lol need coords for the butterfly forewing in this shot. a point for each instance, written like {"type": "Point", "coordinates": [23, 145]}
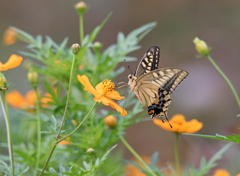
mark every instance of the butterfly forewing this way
{"type": "Point", "coordinates": [166, 78]}
{"type": "Point", "coordinates": [149, 61]}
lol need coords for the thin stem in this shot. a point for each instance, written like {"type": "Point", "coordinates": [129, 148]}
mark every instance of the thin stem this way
{"type": "Point", "coordinates": [225, 78]}
{"type": "Point", "coordinates": [38, 131]}
{"type": "Point", "coordinates": [56, 142]}
{"type": "Point", "coordinates": [69, 90]}
{"type": "Point", "coordinates": [176, 153]}
{"type": "Point", "coordinates": [50, 155]}
{"type": "Point", "coordinates": [64, 115]}
{"type": "Point", "coordinates": [8, 127]}
{"type": "Point", "coordinates": [136, 155]}
{"type": "Point", "coordinates": [79, 124]}
{"type": "Point", "coordinates": [81, 28]}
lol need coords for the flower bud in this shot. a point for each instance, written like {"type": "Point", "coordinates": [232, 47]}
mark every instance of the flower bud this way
{"type": "Point", "coordinates": [33, 78]}
{"type": "Point", "coordinates": [111, 121]}
{"type": "Point", "coordinates": [75, 48]}
{"type": "Point", "coordinates": [3, 83]}
{"type": "Point", "coordinates": [97, 46]}
{"type": "Point", "coordinates": [81, 7]}
{"type": "Point", "coordinates": [90, 150]}
{"type": "Point", "coordinates": [201, 46]}
{"type": "Point", "coordinates": [9, 36]}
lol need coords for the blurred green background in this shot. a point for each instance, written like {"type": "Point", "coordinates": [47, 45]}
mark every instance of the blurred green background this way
{"type": "Point", "coordinates": [204, 95]}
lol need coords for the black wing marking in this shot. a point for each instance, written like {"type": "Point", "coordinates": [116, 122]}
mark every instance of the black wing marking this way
{"type": "Point", "coordinates": [149, 62]}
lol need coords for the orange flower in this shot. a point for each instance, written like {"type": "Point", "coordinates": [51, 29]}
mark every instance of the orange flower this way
{"type": "Point", "coordinates": [179, 124]}
{"type": "Point", "coordinates": [81, 66]}
{"type": "Point", "coordinates": [103, 92]}
{"type": "Point", "coordinates": [47, 98]}
{"type": "Point", "coordinates": [12, 62]}
{"type": "Point", "coordinates": [9, 36]}
{"type": "Point", "coordinates": [65, 141]}
{"type": "Point", "coordinates": [74, 122]}
{"type": "Point", "coordinates": [18, 101]}
{"type": "Point", "coordinates": [221, 172]}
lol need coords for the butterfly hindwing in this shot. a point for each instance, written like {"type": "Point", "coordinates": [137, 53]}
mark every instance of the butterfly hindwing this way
{"type": "Point", "coordinates": [149, 61]}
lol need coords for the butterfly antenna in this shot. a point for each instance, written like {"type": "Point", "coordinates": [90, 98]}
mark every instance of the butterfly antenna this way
{"type": "Point", "coordinates": [167, 120]}
{"type": "Point", "coordinates": [130, 69]}
{"type": "Point", "coordinates": [123, 99]}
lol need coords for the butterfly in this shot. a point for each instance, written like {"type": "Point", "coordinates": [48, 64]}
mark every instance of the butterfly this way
{"type": "Point", "coordinates": [153, 86]}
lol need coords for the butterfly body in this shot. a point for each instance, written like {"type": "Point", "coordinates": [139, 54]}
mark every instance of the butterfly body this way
{"type": "Point", "coordinates": [154, 86]}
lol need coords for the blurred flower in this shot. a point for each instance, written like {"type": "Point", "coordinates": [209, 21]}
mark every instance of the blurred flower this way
{"type": "Point", "coordinates": [47, 98]}
{"type": "Point", "coordinates": [12, 62]}
{"type": "Point", "coordinates": [110, 121]}
{"type": "Point", "coordinates": [131, 170]}
{"type": "Point", "coordinates": [58, 61]}
{"type": "Point", "coordinates": [18, 101]}
{"type": "Point", "coordinates": [9, 36]}
{"type": "Point", "coordinates": [179, 124]}
{"type": "Point", "coordinates": [81, 66]}
{"type": "Point", "coordinates": [201, 46]}
{"type": "Point", "coordinates": [65, 141]}
{"type": "Point", "coordinates": [221, 172]}
{"type": "Point", "coordinates": [75, 48]}
{"type": "Point", "coordinates": [74, 122]}
{"type": "Point", "coordinates": [103, 92]}
{"type": "Point", "coordinates": [90, 150]}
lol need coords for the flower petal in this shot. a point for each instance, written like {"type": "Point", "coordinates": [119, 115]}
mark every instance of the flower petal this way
{"type": "Point", "coordinates": [165, 126]}
{"type": "Point", "coordinates": [192, 126]}
{"type": "Point", "coordinates": [15, 99]}
{"type": "Point", "coordinates": [31, 98]}
{"type": "Point", "coordinates": [88, 87]}
{"type": "Point", "coordinates": [114, 105]}
{"type": "Point", "coordinates": [221, 172]}
{"type": "Point", "coordinates": [114, 95]}
{"type": "Point", "coordinates": [12, 62]}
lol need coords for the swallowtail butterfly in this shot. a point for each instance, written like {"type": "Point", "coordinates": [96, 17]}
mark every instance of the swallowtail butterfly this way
{"type": "Point", "coordinates": [153, 86]}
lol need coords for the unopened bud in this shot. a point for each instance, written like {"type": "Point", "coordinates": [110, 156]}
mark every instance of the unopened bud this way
{"type": "Point", "coordinates": [3, 83]}
{"type": "Point", "coordinates": [74, 122]}
{"type": "Point", "coordinates": [90, 150]}
{"type": "Point", "coordinates": [97, 46]}
{"type": "Point", "coordinates": [201, 46]}
{"type": "Point", "coordinates": [81, 7]}
{"type": "Point", "coordinates": [111, 121]}
{"type": "Point", "coordinates": [75, 48]}
{"type": "Point", "coordinates": [33, 78]}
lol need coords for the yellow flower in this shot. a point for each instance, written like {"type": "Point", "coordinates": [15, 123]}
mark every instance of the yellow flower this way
{"type": "Point", "coordinates": [74, 122]}
{"type": "Point", "coordinates": [179, 124]}
{"type": "Point", "coordinates": [110, 121]}
{"type": "Point", "coordinates": [9, 36]}
{"type": "Point", "coordinates": [12, 62]}
{"type": "Point", "coordinates": [18, 101]}
{"type": "Point", "coordinates": [103, 92]}
{"type": "Point", "coordinates": [221, 172]}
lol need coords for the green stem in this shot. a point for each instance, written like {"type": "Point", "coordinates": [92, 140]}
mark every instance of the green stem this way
{"type": "Point", "coordinates": [81, 28]}
{"type": "Point", "coordinates": [176, 153]}
{"type": "Point", "coordinates": [50, 155]}
{"type": "Point", "coordinates": [136, 155]}
{"type": "Point", "coordinates": [79, 124]}
{"type": "Point", "coordinates": [69, 90]}
{"type": "Point", "coordinates": [38, 131]}
{"type": "Point", "coordinates": [64, 115]}
{"type": "Point", "coordinates": [225, 78]}
{"type": "Point", "coordinates": [8, 127]}
{"type": "Point", "coordinates": [56, 142]}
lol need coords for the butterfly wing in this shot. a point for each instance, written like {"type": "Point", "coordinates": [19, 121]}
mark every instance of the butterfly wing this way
{"type": "Point", "coordinates": [149, 61]}
{"type": "Point", "coordinates": [154, 89]}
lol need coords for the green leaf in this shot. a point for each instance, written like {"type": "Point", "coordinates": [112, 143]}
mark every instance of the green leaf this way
{"type": "Point", "coordinates": [105, 155]}
{"type": "Point", "coordinates": [238, 115]}
{"type": "Point", "coordinates": [98, 28]}
{"type": "Point", "coordinates": [234, 138]}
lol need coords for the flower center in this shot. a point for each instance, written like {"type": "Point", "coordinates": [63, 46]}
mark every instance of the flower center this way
{"type": "Point", "coordinates": [107, 86]}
